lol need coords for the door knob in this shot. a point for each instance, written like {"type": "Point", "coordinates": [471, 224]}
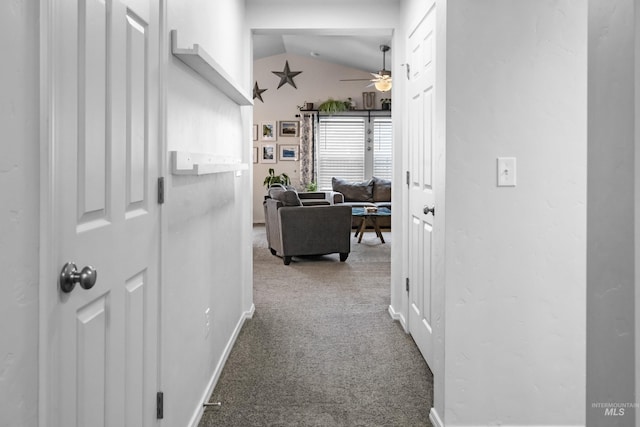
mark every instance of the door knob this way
{"type": "Point", "coordinates": [69, 277]}
{"type": "Point", "coordinates": [428, 209]}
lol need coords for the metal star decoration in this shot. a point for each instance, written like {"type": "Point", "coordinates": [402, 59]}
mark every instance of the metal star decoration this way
{"type": "Point", "coordinates": [286, 76]}
{"type": "Point", "coordinates": [257, 92]}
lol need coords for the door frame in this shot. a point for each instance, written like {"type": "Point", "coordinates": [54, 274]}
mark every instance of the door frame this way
{"type": "Point", "coordinates": [47, 290]}
{"type": "Point", "coordinates": [47, 268]}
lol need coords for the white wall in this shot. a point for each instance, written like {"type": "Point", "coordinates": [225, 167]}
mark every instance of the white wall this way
{"type": "Point", "coordinates": [207, 254]}
{"type": "Point", "coordinates": [516, 85]}
{"type": "Point", "coordinates": [319, 81]}
{"type": "Point", "coordinates": [333, 16]}
{"type": "Point", "coordinates": [610, 254]}
{"type": "Point", "coordinates": [19, 213]}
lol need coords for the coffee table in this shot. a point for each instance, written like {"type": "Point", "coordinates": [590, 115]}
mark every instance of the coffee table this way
{"type": "Point", "coordinates": [372, 218]}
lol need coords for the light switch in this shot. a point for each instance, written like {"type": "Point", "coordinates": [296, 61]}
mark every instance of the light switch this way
{"type": "Point", "coordinates": [506, 171]}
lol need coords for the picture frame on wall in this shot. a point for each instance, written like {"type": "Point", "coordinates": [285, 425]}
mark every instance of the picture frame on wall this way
{"type": "Point", "coordinates": [255, 153]}
{"type": "Point", "coordinates": [268, 131]}
{"type": "Point", "coordinates": [289, 128]}
{"type": "Point", "coordinates": [267, 153]}
{"type": "Point", "coordinates": [288, 152]}
{"type": "Point", "coordinates": [255, 132]}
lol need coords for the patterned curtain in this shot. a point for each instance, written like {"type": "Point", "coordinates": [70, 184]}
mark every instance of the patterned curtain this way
{"type": "Point", "coordinates": [307, 149]}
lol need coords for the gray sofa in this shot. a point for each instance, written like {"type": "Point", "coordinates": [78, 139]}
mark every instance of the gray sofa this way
{"type": "Point", "coordinates": [374, 192]}
{"type": "Point", "coordinates": [297, 230]}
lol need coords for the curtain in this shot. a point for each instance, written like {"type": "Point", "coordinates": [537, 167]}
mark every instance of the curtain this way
{"type": "Point", "coordinates": [307, 149]}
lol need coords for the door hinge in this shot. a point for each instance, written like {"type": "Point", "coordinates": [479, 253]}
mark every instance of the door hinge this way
{"type": "Point", "coordinates": [408, 179]}
{"type": "Point", "coordinates": [407, 284]}
{"type": "Point", "coordinates": [160, 405]}
{"type": "Point", "coordinates": [161, 190]}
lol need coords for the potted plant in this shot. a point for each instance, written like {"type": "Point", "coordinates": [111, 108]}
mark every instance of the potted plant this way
{"type": "Point", "coordinates": [386, 103]}
{"type": "Point", "coordinates": [332, 106]}
{"type": "Point", "coordinates": [272, 179]}
{"type": "Point", "coordinates": [311, 187]}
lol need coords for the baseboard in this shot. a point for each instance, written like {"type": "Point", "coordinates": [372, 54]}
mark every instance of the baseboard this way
{"type": "Point", "coordinates": [399, 317]}
{"type": "Point", "coordinates": [197, 415]}
{"type": "Point", "coordinates": [435, 418]}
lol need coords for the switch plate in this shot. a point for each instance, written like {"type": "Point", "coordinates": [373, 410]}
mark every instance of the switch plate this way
{"type": "Point", "coordinates": [506, 171]}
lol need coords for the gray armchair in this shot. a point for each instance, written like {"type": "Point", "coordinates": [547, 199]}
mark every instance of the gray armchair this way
{"type": "Point", "coordinates": [307, 230]}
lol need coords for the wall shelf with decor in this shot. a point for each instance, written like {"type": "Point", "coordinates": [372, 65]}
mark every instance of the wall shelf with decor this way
{"type": "Point", "coordinates": [186, 163]}
{"type": "Point", "coordinates": [202, 63]}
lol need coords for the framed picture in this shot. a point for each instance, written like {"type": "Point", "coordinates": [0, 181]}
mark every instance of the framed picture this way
{"type": "Point", "coordinates": [255, 132]}
{"type": "Point", "coordinates": [268, 131]}
{"type": "Point", "coordinates": [289, 128]}
{"type": "Point", "coordinates": [255, 154]}
{"type": "Point", "coordinates": [288, 152]}
{"type": "Point", "coordinates": [267, 153]}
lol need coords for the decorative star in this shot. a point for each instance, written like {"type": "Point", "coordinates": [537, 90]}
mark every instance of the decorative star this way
{"type": "Point", "coordinates": [257, 92]}
{"type": "Point", "coordinates": [286, 76]}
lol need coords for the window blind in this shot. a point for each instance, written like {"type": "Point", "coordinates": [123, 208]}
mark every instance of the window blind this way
{"type": "Point", "coordinates": [382, 148]}
{"type": "Point", "coordinates": [341, 150]}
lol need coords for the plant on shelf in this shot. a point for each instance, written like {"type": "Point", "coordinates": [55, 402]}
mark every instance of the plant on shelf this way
{"type": "Point", "coordinates": [311, 187]}
{"type": "Point", "coordinates": [272, 179]}
{"type": "Point", "coordinates": [386, 103]}
{"type": "Point", "coordinates": [332, 106]}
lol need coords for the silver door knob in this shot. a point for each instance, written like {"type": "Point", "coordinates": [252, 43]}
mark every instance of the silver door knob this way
{"type": "Point", "coordinates": [428, 209]}
{"type": "Point", "coordinates": [69, 277]}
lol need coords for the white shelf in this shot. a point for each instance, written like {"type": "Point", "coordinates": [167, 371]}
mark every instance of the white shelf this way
{"type": "Point", "coordinates": [185, 163]}
{"type": "Point", "coordinates": [200, 61]}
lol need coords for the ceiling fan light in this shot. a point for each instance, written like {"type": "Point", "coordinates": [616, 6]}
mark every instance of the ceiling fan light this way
{"type": "Point", "coordinates": [383, 85]}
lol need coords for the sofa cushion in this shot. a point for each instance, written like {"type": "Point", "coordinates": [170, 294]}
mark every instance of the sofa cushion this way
{"type": "Point", "coordinates": [287, 197]}
{"type": "Point", "coordinates": [381, 190]}
{"type": "Point", "coordinates": [353, 191]}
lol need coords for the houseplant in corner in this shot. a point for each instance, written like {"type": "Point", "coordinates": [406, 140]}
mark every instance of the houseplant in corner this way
{"type": "Point", "coordinates": [272, 179]}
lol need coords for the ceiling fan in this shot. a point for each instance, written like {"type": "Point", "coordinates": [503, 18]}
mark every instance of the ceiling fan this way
{"type": "Point", "coordinates": [382, 79]}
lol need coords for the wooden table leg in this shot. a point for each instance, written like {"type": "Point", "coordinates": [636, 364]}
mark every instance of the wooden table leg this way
{"type": "Point", "coordinates": [363, 225]}
{"type": "Point", "coordinates": [358, 227]}
{"type": "Point", "coordinates": [377, 228]}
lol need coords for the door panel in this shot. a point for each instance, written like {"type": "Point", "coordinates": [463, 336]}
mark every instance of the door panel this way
{"type": "Point", "coordinates": [107, 161]}
{"type": "Point", "coordinates": [136, 108]}
{"type": "Point", "coordinates": [92, 82]}
{"type": "Point", "coordinates": [91, 321]}
{"type": "Point", "coordinates": [421, 95]}
{"type": "Point", "coordinates": [134, 349]}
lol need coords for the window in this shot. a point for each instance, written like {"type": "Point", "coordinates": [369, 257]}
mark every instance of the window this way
{"type": "Point", "coordinates": [382, 147]}
{"type": "Point", "coordinates": [340, 150]}
{"type": "Point", "coordinates": [354, 149]}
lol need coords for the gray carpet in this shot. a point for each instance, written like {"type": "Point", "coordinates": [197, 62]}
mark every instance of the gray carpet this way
{"type": "Point", "coordinates": [321, 349]}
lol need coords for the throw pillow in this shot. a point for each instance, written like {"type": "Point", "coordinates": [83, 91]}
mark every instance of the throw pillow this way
{"type": "Point", "coordinates": [287, 197]}
{"type": "Point", "coordinates": [381, 190]}
{"type": "Point", "coordinates": [353, 191]}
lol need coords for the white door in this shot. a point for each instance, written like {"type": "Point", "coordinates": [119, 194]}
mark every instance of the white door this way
{"type": "Point", "coordinates": [104, 340]}
{"type": "Point", "coordinates": [421, 103]}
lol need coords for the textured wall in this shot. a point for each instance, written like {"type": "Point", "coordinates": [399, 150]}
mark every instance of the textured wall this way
{"type": "Point", "coordinates": [19, 214]}
{"type": "Point", "coordinates": [610, 274]}
{"type": "Point", "coordinates": [515, 257]}
{"type": "Point", "coordinates": [208, 240]}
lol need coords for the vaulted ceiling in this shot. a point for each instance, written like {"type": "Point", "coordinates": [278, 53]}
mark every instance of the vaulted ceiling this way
{"type": "Point", "coordinates": [359, 51]}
